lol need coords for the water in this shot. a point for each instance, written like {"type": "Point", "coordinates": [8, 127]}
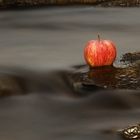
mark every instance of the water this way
{"type": "Point", "coordinates": [35, 44]}
{"type": "Point", "coordinates": [55, 38]}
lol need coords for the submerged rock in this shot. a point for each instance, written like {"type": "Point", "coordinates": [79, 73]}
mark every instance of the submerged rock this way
{"type": "Point", "coordinates": [10, 85]}
{"type": "Point", "coordinates": [131, 133]}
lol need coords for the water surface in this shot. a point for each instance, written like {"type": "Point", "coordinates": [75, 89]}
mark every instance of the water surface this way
{"type": "Point", "coordinates": [36, 43]}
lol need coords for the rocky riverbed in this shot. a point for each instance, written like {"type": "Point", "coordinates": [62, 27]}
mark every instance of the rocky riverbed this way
{"type": "Point", "coordinates": [40, 3]}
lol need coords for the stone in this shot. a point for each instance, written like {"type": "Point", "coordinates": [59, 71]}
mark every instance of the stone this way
{"type": "Point", "coordinates": [10, 85]}
{"type": "Point", "coordinates": [106, 3]}
{"type": "Point", "coordinates": [131, 132]}
{"type": "Point", "coordinates": [84, 80]}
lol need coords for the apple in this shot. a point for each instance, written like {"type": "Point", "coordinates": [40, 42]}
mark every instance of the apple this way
{"type": "Point", "coordinates": [100, 52]}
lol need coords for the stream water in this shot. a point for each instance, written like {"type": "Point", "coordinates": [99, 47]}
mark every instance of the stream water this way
{"type": "Point", "coordinates": [37, 46]}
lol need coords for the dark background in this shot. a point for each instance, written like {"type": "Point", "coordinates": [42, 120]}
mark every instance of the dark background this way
{"type": "Point", "coordinates": [39, 3]}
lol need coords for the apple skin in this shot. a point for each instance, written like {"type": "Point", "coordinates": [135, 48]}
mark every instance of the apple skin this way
{"type": "Point", "coordinates": [100, 53]}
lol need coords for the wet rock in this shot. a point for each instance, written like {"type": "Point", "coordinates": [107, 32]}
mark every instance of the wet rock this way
{"type": "Point", "coordinates": [131, 57]}
{"type": "Point", "coordinates": [107, 3]}
{"type": "Point", "coordinates": [84, 80]}
{"type": "Point", "coordinates": [120, 3]}
{"type": "Point", "coordinates": [10, 85]}
{"type": "Point", "coordinates": [131, 133]}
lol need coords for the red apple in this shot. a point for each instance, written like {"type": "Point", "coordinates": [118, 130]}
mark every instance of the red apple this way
{"type": "Point", "coordinates": [100, 52]}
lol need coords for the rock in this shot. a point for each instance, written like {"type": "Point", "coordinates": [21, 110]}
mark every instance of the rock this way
{"type": "Point", "coordinates": [84, 80]}
{"type": "Point", "coordinates": [107, 3]}
{"type": "Point", "coordinates": [131, 133]}
{"type": "Point", "coordinates": [10, 85]}
{"type": "Point", "coordinates": [131, 57]}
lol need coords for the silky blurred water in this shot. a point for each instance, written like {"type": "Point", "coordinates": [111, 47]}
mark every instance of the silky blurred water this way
{"type": "Point", "coordinates": [40, 41]}
{"type": "Point", "coordinates": [55, 37]}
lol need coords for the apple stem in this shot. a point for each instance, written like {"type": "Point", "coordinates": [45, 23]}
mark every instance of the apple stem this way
{"type": "Point", "coordinates": [99, 38]}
